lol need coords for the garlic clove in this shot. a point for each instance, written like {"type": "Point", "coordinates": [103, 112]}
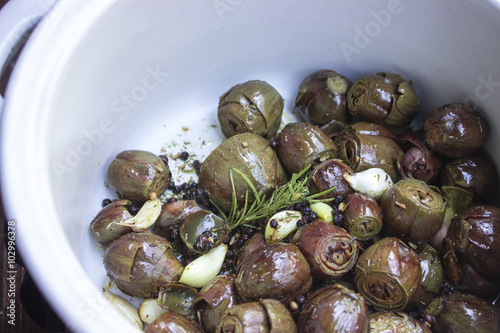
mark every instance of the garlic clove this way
{"type": "Point", "coordinates": [323, 210]}
{"type": "Point", "coordinates": [125, 308]}
{"type": "Point", "coordinates": [281, 224]}
{"type": "Point", "coordinates": [150, 310]}
{"type": "Point", "coordinates": [373, 182]}
{"type": "Point", "coordinates": [146, 217]}
{"type": "Point", "coordinates": [204, 268]}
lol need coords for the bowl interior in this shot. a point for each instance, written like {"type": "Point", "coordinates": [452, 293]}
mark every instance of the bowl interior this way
{"type": "Point", "coordinates": [128, 74]}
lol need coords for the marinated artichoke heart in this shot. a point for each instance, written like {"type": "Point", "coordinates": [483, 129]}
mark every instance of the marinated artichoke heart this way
{"type": "Point", "coordinates": [139, 175]}
{"type": "Point", "coordinates": [179, 298]}
{"type": "Point", "coordinates": [106, 225]}
{"type": "Point", "coordinates": [474, 236]}
{"type": "Point", "coordinates": [334, 309]}
{"type": "Point", "coordinates": [362, 151]}
{"type": "Point", "coordinates": [322, 98]}
{"type": "Point", "coordinates": [214, 299]}
{"type": "Point", "coordinates": [366, 128]}
{"type": "Point", "coordinates": [385, 99]}
{"type": "Point", "coordinates": [171, 322]}
{"type": "Point", "coordinates": [140, 263]}
{"type": "Point", "coordinates": [455, 130]}
{"type": "Point", "coordinates": [396, 321]}
{"type": "Point", "coordinates": [253, 106]}
{"type": "Point", "coordinates": [202, 230]}
{"type": "Point", "coordinates": [173, 215]}
{"type": "Point", "coordinates": [412, 211]}
{"type": "Point", "coordinates": [301, 144]}
{"type": "Point", "coordinates": [250, 154]}
{"type": "Point", "coordinates": [387, 274]}
{"type": "Point", "coordinates": [432, 276]}
{"type": "Point", "coordinates": [462, 313]}
{"type": "Point", "coordinates": [330, 250]}
{"type": "Point", "coordinates": [362, 216]}
{"type": "Point", "coordinates": [266, 315]}
{"type": "Point", "coordinates": [473, 173]}
{"type": "Point", "coordinates": [328, 175]}
{"type": "Point", "coordinates": [277, 271]}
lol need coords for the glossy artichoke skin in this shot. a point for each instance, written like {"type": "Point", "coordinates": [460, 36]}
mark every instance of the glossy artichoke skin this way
{"type": "Point", "coordinates": [137, 174]}
{"type": "Point", "coordinates": [105, 226]}
{"type": "Point", "coordinates": [266, 315]}
{"type": "Point", "coordinates": [301, 144]}
{"type": "Point", "coordinates": [330, 250]}
{"type": "Point", "coordinates": [322, 98]}
{"type": "Point", "coordinates": [388, 274]}
{"type": "Point", "coordinates": [140, 263]}
{"type": "Point", "coordinates": [171, 322]}
{"type": "Point", "coordinates": [412, 211]}
{"type": "Point", "coordinates": [172, 216]}
{"type": "Point", "coordinates": [249, 153]}
{"type": "Point", "coordinates": [362, 151]}
{"type": "Point", "coordinates": [455, 130]}
{"type": "Point", "coordinates": [383, 98]}
{"type": "Point", "coordinates": [473, 173]}
{"type": "Point", "coordinates": [362, 216]}
{"type": "Point", "coordinates": [462, 313]}
{"type": "Point", "coordinates": [431, 278]}
{"type": "Point", "coordinates": [279, 271]}
{"type": "Point", "coordinates": [330, 174]}
{"type": "Point", "coordinates": [254, 106]}
{"type": "Point", "coordinates": [396, 321]}
{"type": "Point", "coordinates": [334, 309]}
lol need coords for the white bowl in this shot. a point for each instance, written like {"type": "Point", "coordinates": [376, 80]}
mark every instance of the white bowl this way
{"type": "Point", "coordinates": [101, 76]}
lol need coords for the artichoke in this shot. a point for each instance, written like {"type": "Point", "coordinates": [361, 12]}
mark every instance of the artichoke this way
{"type": "Point", "coordinates": [362, 216]}
{"type": "Point", "coordinates": [385, 99]}
{"type": "Point", "coordinates": [455, 130]}
{"type": "Point", "coordinates": [472, 173]}
{"type": "Point", "coordinates": [334, 309]}
{"type": "Point", "coordinates": [266, 315]}
{"type": "Point", "coordinates": [396, 321]}
{"type": "Point", "coordinates": [250, 154]}
{"type": "Point", "coordinates": [214, 299]}
{"type": "Point", "coordinates": [388, 274]}
{"type": "Point", "coordinates": [251, 245]}
{"type": "Point", "coordinates": [365, 128]}
{"type": "Point", "coordinates": [171, 322]}
{"type": "Point", "coordinates": [412, 211]}
{"type": "Point", "coordinates": [329, 175]}
{"type": "Point", "coordinates": [172, 217]}
{"type": "Point", "coordinates": [330, 250]}
{"type": "Point", "coordinates": [140, 263]}
{"type": "Point", "coordinates": [277, 270]}
{"type": "Point", "coordinates": [462, 313]}
{"type": "Point", "coordinates": [432, 276]}
{"type": "Point", "coordinates": [363, 151]}
{"type": "Point", "coordinates": [254, 106]}
{"type": "Point", "coordinates": [139, 175]}
{"type": "Point", "coordinates": [179, 298]}
{"type": "Point", "coordinates": [202, 230]}
{"type": "Point", "coordinates": [322, 98]}
{"type": "Point", "coordinates": [105, 225]}
{"type": "Point", "coordinates": [302, 144]}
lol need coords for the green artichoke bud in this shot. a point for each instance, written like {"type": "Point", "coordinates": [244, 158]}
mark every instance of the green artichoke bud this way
{"type": "Point", "coordinates": [385, 99]}
{"type": "Point", "coordinates": [139, 175]}
{"type": "Point", "coordinates": [106, 226]}
{"type": "Point", "coordinates": [253, 106]}
{"type": "Point", "coordinates": [455, 130]}
{"type": "Point", "coordinates": [173, 215]}
{"type": "Point", "coordinates": [278, 270]}
{"type": "Point", "coordinates": [171, 322]}
{"type": "Point", "coordinates": [462, 313]}
{"type": "Point", "coordinates": [432, 276]}
{"type": "Point", "coordinates": [322, 98]}
{"type": "Point", "coordinates": [330, 174]}
{"type": "Point", "coordinates": [396, 321]}
{"type": "Point", "coordinates": [214, 299]}
{"type": "Point", "coordinates": [362, 152]}
{"type": "Point", "coordinates": [362, 216]}
{"type": "Point", "coordinates": [301, 144]}
{"type": "Point", "coordinates": [334, 309]}
{"type": "Point", "coordinates": [388, 274]}
{"type": "Point", "coordinates": [203, 230]}
{"type": "Point", "coordinates": [266, 315]}
{"type": "Point", "coordinates": [250, 154]}
{"type": "Point", "coordinates": [412, 211]}
{"type": "Point", "coordinates": [330, 250]}
{"type": "Point", "coordinates": [472, 173]}
{"type": "Point", "coordinates": [140, 263]}
{"type": "Point", "coordinates": [474, 236]}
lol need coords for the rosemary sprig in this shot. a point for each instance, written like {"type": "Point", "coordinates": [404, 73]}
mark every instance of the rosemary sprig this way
{"type": "Point", "coordinates": [294, 191]}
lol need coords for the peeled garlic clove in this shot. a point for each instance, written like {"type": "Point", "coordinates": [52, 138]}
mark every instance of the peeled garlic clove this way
{"type": "Point", "coordinates": [323, 210]}
{"type": "Point", "coordinates": [373, 182]}
{"type": "Point", "coordinates": [125, 308]}
{"type": "Point", "coordinates": [281, 225]}
{"type": "Point", "coordinates": [150, 310]}
{"type": "Point", "coordinates": [146, 217]}
{"type": "Point", "coordinates": [204, 268]}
